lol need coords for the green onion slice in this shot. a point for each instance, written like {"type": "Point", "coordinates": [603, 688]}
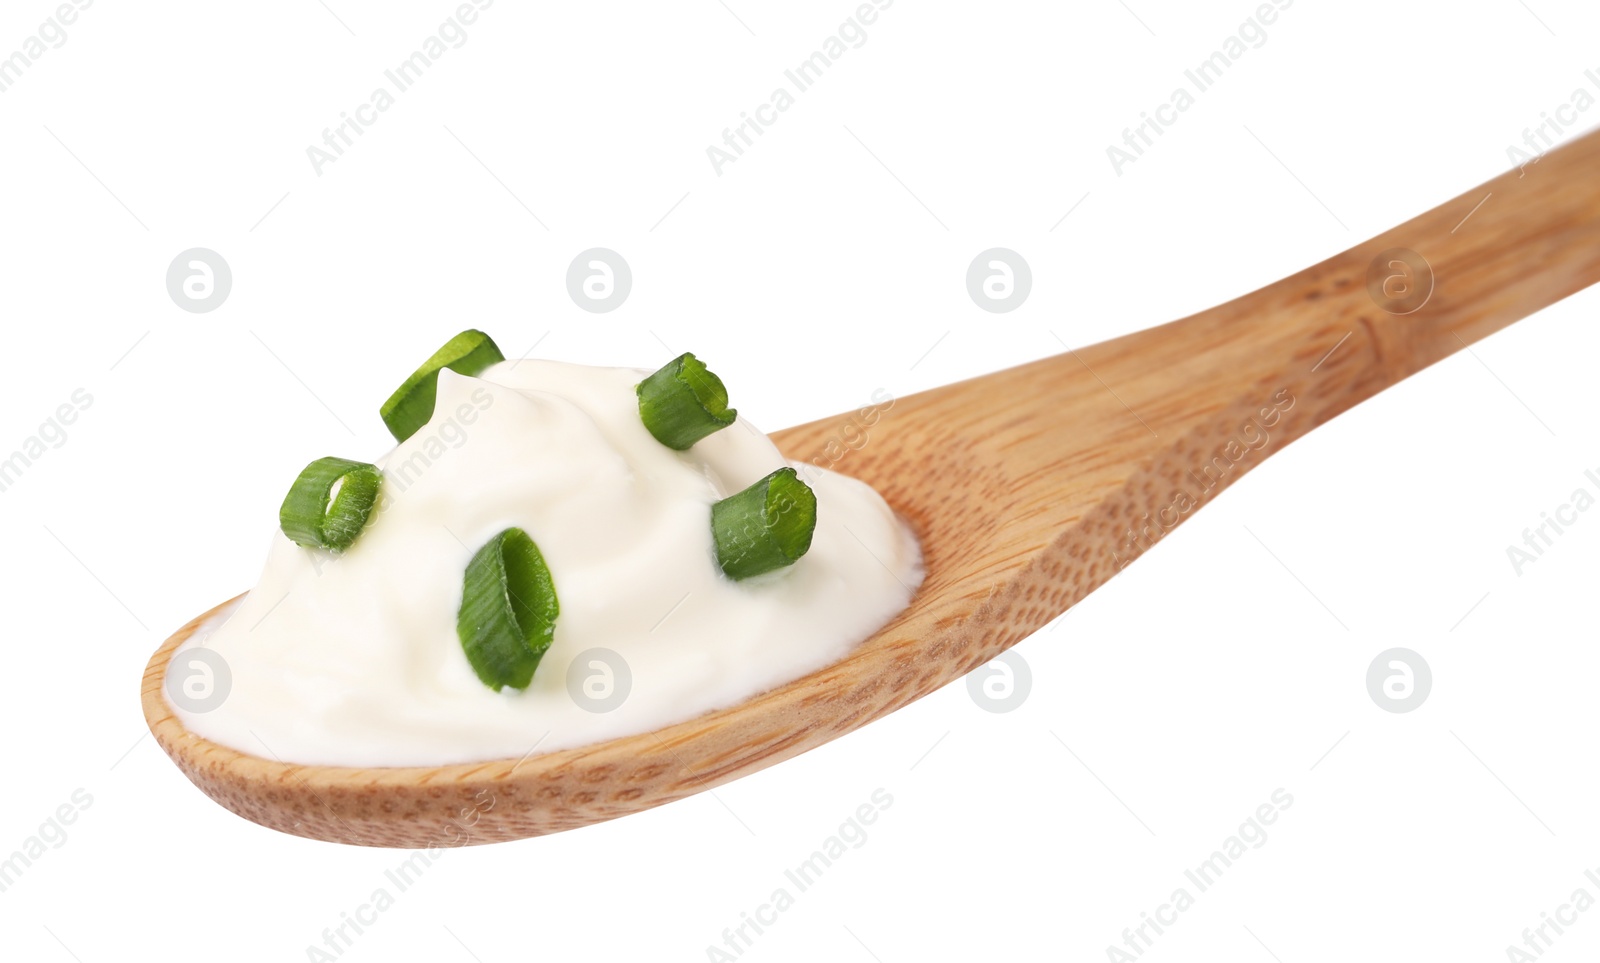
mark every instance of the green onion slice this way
{"type": "Point", "coordinates": [683, 402]}
{"type": "Point", "coordinates": [764, 527]}
{"type": "Point", "coordinates": [328, 505]}
{"type": "Point", "coordinates": [508, 610]}
{"type": "Point", "coordinates": [411, 405]}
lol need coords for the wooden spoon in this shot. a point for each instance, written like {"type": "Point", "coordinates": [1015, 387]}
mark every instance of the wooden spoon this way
{"type": "Point", "coordinates": [1029, 488]}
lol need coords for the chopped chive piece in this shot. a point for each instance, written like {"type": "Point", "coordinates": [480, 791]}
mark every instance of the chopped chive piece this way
{"type": "Point", "coordinates": [764, 527]}
{"type": "Point", "coordinates": [508, 610]}
{"type": "Point", "coordinates": [328, 505]}
{"type": "Point", "coordinates": [683, 402]}
{"type": "Point", "coordinates": [411, 405]}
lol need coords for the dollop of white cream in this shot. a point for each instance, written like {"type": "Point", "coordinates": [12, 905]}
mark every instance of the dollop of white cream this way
{"type": "Point", "coordinates": [353, 660]}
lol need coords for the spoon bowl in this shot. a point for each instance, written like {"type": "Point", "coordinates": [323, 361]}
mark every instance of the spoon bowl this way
{"type": "Point", "coordinates": [1029, 488]}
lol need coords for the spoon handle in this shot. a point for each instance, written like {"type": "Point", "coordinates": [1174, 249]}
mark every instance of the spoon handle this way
{"type": "Point", "coordinates": [1102, 451]}
{"type": "Point", "coordinates": [1337, 333]}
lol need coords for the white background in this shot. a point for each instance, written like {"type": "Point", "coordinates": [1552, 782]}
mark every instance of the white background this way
{"type": "Point", "coordinates": [823, 265]}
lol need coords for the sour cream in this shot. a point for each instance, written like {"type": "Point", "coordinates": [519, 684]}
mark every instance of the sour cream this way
{"type": "Point", "coordinates": [353, 660]}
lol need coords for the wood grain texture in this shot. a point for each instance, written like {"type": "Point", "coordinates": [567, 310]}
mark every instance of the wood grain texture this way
{"type": "Point", "coordinates": [1029, 488]}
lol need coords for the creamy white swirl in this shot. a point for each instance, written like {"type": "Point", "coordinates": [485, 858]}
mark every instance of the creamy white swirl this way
{"type": "Point", "coordinates": [354, 660]}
